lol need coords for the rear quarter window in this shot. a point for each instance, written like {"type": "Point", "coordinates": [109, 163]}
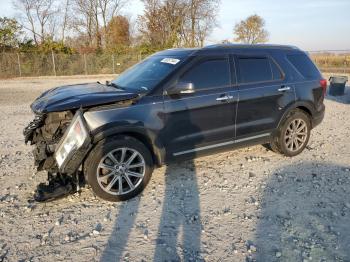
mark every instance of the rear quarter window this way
{"type": "Point", "coordinates": [303, 64]}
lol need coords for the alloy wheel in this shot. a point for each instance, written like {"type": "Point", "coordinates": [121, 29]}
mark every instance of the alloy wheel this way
{"type": "Point", "coordinates": [121, 171]}
{"type": "Point", "coordinates": [296, 135]}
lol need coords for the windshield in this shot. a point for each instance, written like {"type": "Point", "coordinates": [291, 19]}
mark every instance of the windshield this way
{"type": "Point", "coordinates": [148, 73]}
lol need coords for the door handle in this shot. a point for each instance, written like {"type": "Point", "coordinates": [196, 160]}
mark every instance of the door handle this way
{"type": "Point", "coordinates": [284, 88]}
{"type": "Point", "coordinates": [224, 98]}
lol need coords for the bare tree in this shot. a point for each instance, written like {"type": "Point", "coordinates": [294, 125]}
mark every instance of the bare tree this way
{"type": "Point", "coordinates": [85, 20]}
{"type": "Point", "coordinates": [27, 8]}
{"type": "Point", "coordinates": [206, 20]}
{"type": "Point", "coordinates": [109, 8]}
{"type": "Point", "coordinates": [150, 24]}
{"type": "Point", "coordinates": [202, 14]}
{"type": "Point", "coordinates": [174, 15]}
{"type": "Point", "coordinates": [165, 23]}
{"type": "Point", "coordinates": [171, 23]}
{"type": "Point", "coordinates": [96, 13]}
{"type": "Point", "coordinates": [92, 18]}
{"type": "Point", "coordinates": [65, 19]}
{"type": "Point", "coordinates": [37, 17]}
{"type": "Point", "coordinates": [251, 30]}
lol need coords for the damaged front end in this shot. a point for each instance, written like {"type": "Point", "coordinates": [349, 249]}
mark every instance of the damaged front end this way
{"type": "Point", "coordinates": [60, 135]}
{"type": "Point", "coordinates": [61, 141]}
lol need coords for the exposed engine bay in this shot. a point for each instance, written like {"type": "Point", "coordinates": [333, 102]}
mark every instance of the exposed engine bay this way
{"type": "Point", "coordinates": [44, 132]}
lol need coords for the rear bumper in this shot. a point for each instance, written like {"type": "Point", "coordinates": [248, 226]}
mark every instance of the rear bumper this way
{"type": "Point", "coordinates": [318, 117]}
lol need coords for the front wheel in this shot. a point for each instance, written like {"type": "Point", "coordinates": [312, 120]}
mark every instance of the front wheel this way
{"type": "Point", "coordinates": [293, 135]}
{"type": "Point", "coordinates": [119, 168]}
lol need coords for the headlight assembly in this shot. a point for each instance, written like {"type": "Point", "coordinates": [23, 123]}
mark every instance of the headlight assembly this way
{"type": "Point", "coordinates": [73, 145]}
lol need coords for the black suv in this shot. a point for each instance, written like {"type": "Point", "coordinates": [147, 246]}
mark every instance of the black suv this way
{"type": "Point", "coordinates": [176, 104]}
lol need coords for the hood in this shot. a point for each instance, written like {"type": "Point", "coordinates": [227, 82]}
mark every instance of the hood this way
{"type": "Point", "coordinates": [75, 96]}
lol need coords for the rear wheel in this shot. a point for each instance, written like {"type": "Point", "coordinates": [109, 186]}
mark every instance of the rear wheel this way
{"type": "Point", "coordinates": [293, 135]}
{"type": "Point", "coordinates": [119, 169]}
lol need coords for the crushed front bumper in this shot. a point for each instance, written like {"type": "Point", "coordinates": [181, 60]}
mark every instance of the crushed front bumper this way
{"type": "Point", "coordinates": [29, 130]}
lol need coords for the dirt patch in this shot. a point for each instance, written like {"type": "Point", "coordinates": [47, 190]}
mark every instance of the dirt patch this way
{"type": "Point", "coordinates": [241, 205]}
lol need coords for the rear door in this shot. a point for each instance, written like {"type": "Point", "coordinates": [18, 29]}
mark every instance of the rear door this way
{"type": "Point", "coordinates": [263, 94]}
{"type": "Point", "coordinates": [205, 119]}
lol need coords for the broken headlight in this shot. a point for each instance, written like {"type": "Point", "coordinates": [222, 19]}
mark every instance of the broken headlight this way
{"type": "Point", "coordinates": [73, 145]}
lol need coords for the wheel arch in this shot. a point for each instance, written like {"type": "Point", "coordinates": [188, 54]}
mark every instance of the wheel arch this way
{"type": "Point", "coordinates": [305, 109]}
{"type": "Point", "coordinates": [144, 136]}
{"type": "Point", "coordinates": [303, 106]}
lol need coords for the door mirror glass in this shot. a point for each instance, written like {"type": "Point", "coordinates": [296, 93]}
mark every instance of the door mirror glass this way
{"type": "Point", "coordinates": [181, 88]}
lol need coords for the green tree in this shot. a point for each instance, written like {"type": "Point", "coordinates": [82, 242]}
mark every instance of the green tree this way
{"type": "Point", "coordinates": [251, 30]}
{"type": "Point", "coordinates": [57, 46]}
{"type": "Point", "coordinates": [10, 32]}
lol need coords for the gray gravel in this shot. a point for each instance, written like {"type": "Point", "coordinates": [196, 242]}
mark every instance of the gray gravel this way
{"type": "Point", "coordinates": [245, 205]}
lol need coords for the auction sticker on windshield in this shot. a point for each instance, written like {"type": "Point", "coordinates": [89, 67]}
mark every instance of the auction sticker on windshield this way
{"type": "Point", "coordinates": [172, 61]}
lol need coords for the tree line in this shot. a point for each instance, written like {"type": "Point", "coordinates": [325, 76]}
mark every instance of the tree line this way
{"type": "Point", "coordinates": [91, 26]}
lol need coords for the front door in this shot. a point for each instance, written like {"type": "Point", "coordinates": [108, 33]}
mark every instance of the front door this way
{"type": "Point", "coordinates": [201, 120]}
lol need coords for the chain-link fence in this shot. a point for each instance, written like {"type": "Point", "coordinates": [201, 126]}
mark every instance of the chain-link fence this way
{"type": "Point", "coordinates": [39, 64]}
{"type": "Point", "coordinates": [51, 64]}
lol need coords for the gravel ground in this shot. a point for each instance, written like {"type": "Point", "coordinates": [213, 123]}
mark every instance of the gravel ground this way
{"type": "Point", "coordinates": [245, 205]}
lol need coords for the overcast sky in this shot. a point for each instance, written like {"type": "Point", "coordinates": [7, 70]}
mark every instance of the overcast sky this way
{"type": "Point", "coordinates": [309, 24]}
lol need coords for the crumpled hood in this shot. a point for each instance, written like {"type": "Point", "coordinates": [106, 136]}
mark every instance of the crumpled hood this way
{"type": "Point", "coordinates": [75, 96]}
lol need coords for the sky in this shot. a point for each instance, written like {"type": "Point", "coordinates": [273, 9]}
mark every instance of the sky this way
{"type": "Point", "coordinates": [309, 24]}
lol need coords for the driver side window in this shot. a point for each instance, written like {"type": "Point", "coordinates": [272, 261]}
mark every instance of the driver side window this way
{"type": "Point", "coordinates": [208, 74]}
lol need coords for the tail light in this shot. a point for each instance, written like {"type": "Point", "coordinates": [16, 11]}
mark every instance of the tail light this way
{"type": "Point", "coordinates": [323, 83]}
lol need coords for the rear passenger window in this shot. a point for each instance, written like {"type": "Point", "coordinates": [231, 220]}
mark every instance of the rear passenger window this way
{"type": "Point", "coordinates": [209, 74]}
{"type": "Point", "coordinates": [304, 65]}
{"type": "Point", "coordinates": [254, 69]}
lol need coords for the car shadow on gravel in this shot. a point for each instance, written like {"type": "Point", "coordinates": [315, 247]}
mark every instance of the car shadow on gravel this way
{"type": "Point", "coordinates": [180, 217]}
{"type": "Point", "coordinates": [305, 214]}
{"type": "Point", "coordinates": [344, 99]}
{"type": "Point", "coordinates": [179, 229]}
{"type": "Point", "coordinates": [119, 237]}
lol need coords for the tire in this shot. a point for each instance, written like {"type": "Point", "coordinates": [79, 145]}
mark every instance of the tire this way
{"type": "Point", "coordinates": [287, 140]}
{"type": "Point", "coordinates": [113, 178]}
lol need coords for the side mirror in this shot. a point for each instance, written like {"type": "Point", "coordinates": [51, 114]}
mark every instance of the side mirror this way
{"type": "Point", "coordinates": [181, 88]}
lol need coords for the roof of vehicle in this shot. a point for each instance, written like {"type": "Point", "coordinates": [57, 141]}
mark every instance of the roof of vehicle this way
{"type": "Point", "coordinates": [222, 48]}
{"type": "Point", "coordinates": [255, 46]}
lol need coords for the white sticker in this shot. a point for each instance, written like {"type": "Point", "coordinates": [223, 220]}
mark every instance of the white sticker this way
{"type": "Point", "coordinates": [172, 61]}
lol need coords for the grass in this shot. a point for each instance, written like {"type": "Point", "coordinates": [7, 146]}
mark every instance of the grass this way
{"type": "Point", "coordinates": [332, 63]}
